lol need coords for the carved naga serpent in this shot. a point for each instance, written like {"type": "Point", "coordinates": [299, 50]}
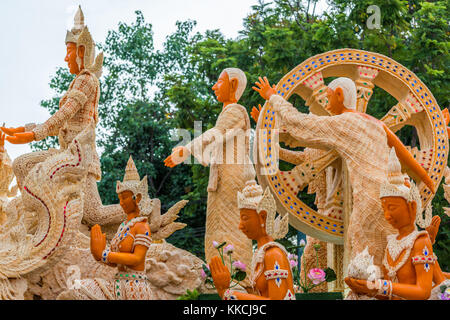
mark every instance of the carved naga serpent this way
{"type": "Point", "coordinates": [39, 224]}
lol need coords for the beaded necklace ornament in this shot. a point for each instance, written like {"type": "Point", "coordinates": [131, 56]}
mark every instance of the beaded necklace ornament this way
{"type": "Point", "coordinates": [123, 232]}
{"type": "Point", "coordinates": [396, 247]}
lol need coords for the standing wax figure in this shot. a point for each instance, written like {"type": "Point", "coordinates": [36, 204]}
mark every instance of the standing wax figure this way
{"type": "Point", "coordinates": [363, 142]}
{"type": "Point", "coordinates": [127, 250]}
{"type": "Point", "coordinates": [225, 147]}
{"type": "Point", "coordinates": [78, 111]}
{"type": "Point", "coordinates": [270, 272]}
{"type": "Point", "coordinates": [409, 266]}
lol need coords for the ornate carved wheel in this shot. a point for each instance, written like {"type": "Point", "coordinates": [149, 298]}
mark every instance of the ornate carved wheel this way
{"type": "Point", "coordinates": [416, 107]}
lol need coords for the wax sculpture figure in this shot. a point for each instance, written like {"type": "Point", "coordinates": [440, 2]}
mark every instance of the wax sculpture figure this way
{"type": "Point", "coordinates": [270, 270]}
{"type": "Point", "coordinates": [362, 142]}
{"type": "Point", "coordinates": [225, 147]}
{"type": "Point", "coordinates": [127, 250]}
{"type": "Point", "coordinates": [409, 265]}
{"type": "Point", "coordinates": [78, 111]}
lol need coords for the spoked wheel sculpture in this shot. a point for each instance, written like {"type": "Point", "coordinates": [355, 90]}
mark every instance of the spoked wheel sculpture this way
{"type": "Point", "coordinates": [321, 170]}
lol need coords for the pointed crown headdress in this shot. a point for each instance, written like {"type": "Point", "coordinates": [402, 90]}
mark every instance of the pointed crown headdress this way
{"type": "Point", "coordinates": [81, 36]}
{"type": "Point", "coordinates": [395, 186]}
{"type": "Point", "coordinates": [252, 197]}
{"type": "Point", "coordinates": [132, 182]}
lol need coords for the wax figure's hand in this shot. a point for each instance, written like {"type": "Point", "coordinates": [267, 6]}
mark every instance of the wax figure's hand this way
{"type": "Point", "coordinates": [21, 138]}
{"type": "Point", "coordinates": [433, 228]}
{"type": "Point", "coordinates": [12, 131]}
{"type": "Point", "coordinates": [264, 89]}
{"type": "Point", "coordinates": [255, 113]}
{"type": "Point", "coordinates": [446, 115]}
{"type": "Point", "coordinates": [361, 286]}
{"type": "Point", "coordinates": [220, 274]}
{"type": "Point", "coordinates": [179, 154]}
{"type": "Point", "coordinates": [98, 242]}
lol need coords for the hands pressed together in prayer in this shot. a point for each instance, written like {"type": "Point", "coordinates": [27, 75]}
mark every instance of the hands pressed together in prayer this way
{"type": "Point", "coordinates": [220, 274]}
{"type": "Point", "coordinates": [98, 242]}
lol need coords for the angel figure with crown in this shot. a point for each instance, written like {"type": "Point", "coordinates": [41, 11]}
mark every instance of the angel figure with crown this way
{"type": "Point", "coordinates": [410, 267]}
{"type": "Point", "coordinates": [270, 271]}
{"type": "Point", "coordinates": [126, 251]}
{"type": "Point", "coordinates": [77, 113]}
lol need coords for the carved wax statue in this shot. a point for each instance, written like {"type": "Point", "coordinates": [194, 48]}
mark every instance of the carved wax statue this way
{"type": "Point", "coordinates": [410, 268]}
{"type": "Point", "coordinates": [126, 251]}
{"type": "Point", "coordinates": [225, 148]}
{"type": "Point", "coordinates": [362, 142]}
{"type": "Point", "coordinates": [270, 271]}
{"type": "Point", "coordinates": [78, 111]}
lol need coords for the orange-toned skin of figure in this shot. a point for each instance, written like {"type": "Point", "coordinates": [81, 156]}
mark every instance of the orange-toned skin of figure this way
{"type": "Point", "coordinates": [336, 106]}
{"type": "Point", "coordinates": [134, 259]}
{"type": "Point", "coordinates": [414, 283]}
{"type": "Point", "coordinates": [252, 225]}
{"type": "Point", "coordinates": [225, 91]}
{"type": "Point", "coordinates": [18, 135]}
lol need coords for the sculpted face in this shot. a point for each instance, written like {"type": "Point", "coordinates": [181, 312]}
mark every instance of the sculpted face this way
{"type": "Point", "coordinates": [127, 202]}
{"type": "Point", "coordinates": [250, 223]}
{"type": "Point", "coordinates": [398, 212]}
{"type": "Point", "coordinates": [335, 101]}
{"type": "Point", "coordinates": [71, 57]}
{"type": "Point", "coordinates": [224, 89]}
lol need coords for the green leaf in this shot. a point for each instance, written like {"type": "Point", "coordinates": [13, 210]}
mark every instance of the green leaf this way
{"type": "Point", "coordinates": [240, 275]}
{"type": "Point", "coordinates": [189, 295]}
{"type": "Point", "coordinates": [330, 275]}
{"type": "Point", "coordinates": [221, 245]}
{"type": "Point", "coordinates": [206, 270]}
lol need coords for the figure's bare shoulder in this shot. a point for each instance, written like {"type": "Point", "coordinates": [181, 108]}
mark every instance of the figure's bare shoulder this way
{"type": "Point", "coordinates": [141, 227]}
{"type": "Point", "coordinates": [422, 242]}
{"type": "Point", "coordinates": [275, 255]}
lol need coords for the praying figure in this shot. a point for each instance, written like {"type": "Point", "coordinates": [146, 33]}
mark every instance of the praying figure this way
{"type": "Point", "coordinates": [363, 142]}
{"type": "Point", "coordinates": [410, 267]}
{"type": "Point", "coordinates": [126, 251]}
{"type": "Point", "coordinates": [225, 148]}
{"type": "Point", "coordinates": [271, 276]}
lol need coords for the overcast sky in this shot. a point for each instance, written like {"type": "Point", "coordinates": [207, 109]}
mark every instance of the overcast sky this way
{"type": "Point", "coordinates": [33, 33]}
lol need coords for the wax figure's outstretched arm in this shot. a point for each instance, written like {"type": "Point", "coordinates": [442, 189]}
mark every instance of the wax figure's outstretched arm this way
{"type": "Point", "coordinates": [407, 158]}
{"type": "Point", "coordinates": [221, 277]}
{"type": "Point", "coordinates": [83, 87]}
{"type": "Point", "coordinates": [266, 91]}
{"type": "Point", "coordinates": [227, 126]}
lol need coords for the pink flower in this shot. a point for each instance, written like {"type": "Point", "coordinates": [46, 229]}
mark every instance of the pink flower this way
{"type": "Point", "coordinates": [316, 275]}
{"type": "Point", "coordinates": [228, 249]}
{"type": "Point", "coordinates": [292, 256]}
{"type": "Point", "coordinates": [215, 244]}
{"type": "Point", "coordinates": [203, 274]}
{"type": "Point", "coordinates": [239, 265]}
{"type": "Point", "coordinates": [293, 263]}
